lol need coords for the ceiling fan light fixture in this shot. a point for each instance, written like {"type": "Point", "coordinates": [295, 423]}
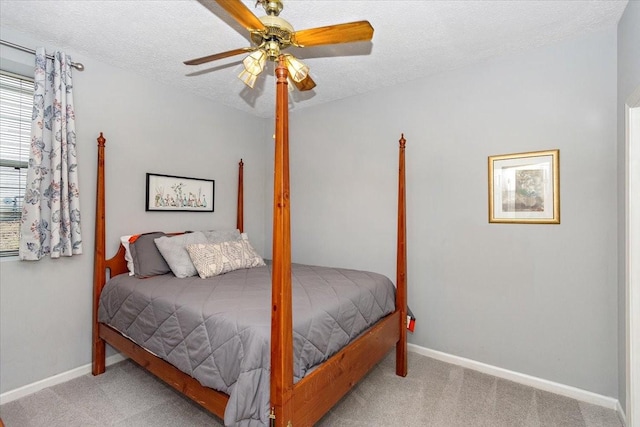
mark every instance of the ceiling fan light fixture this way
{"type": "Point", "coordinates": [272, 48]}
{"type": "Point", "coordinates": [290, 84]}
{"type": "Point", "coordinates": [248, 78]}
{"type": "Point", "coordinates": [254, 63]}
{"type": "Point", "coordinates": [298, 71]}
{"type": "Point", "coordinates": [270, 35]}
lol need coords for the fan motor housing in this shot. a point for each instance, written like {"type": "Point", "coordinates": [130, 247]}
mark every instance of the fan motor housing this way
{"type": "Point", "coordinates": [278, 30]}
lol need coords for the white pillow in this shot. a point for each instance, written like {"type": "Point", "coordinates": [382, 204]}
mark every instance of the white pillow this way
{"type": "Point", "coordinates": [124, 240]}
{"type": "Point", "coordinates": [212, 259]}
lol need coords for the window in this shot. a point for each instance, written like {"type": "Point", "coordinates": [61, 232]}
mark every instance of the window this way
{"type": "Point", "coordinates": [16, 106]}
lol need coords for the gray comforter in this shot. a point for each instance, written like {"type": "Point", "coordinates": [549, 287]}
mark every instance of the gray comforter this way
{"type": "Point", "coordinates": [218, 330]}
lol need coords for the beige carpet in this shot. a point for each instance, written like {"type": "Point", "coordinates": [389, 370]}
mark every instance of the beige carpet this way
{"type": "Point", "coordinates": [434, 394]}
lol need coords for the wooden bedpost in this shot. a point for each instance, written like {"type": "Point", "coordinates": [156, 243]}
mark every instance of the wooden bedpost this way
{"type": "Point", "coordinates": [401, 268]}
{"type": "Point", "coordinates": [99, 278]}
{"type": "Point", "coordinates": [240, 210]}
{"type": "Point", "coordinates": [282, 316]}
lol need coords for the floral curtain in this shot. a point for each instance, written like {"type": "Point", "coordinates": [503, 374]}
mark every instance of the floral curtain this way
{"type": "Point", "coordinates": [51, 210]}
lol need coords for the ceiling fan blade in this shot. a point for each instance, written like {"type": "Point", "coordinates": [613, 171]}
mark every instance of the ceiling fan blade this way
{"type": "Point", "coordinates": [332, 34]}
{"type": "Point", "coordinates": [221, 55]}
{"type": "Point", "coordinates": [305, 84]}
{"type": "Point", "coordinates": [242, 14]}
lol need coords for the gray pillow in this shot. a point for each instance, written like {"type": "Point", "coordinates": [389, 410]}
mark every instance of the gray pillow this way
{"type": "Point", "coordinates": [219, 236]}
{"type": "Point", "coordinates": [147, 260]}
{"type": "Point", "coordinates": [175, 253]}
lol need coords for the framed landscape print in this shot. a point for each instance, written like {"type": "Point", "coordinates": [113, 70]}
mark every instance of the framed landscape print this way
{"type": "Point", "coordinates": [525, 188]}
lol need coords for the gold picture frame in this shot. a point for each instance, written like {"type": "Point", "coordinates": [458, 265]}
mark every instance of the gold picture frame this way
{"type": "Point", "coordinates": [524, 188]}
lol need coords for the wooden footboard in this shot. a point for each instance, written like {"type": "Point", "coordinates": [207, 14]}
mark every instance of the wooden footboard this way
{"type": "Point", "coordinates": [317, 392]}
{"type": "Point", "coordinates": [297, 405]}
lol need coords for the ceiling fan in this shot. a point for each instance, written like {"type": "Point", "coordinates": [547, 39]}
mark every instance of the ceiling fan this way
{"type": "Point", "coordinates": [271, 35]}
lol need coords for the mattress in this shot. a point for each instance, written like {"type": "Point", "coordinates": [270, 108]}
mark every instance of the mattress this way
{"type": "Point", "coordinates": [217, 330]}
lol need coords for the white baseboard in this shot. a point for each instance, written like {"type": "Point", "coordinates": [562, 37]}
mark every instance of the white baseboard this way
{"type": "Point", "coordinates": [539, 383]}
{"type": "Point", "coordinates": [28, 389]}
{"type": "Point", "coordinates": [621, 414]}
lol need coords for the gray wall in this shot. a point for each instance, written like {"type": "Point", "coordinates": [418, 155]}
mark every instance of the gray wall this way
{"type": "Point", "coordinates": [45, 306]}
{"type": "Point", "coordinates": [536, 299]}
{"type": "Point", "coordinates": [628, 81]}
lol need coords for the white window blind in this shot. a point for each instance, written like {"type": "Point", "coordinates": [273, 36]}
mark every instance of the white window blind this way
{"type": "Point", "coordinates": [16, 106]}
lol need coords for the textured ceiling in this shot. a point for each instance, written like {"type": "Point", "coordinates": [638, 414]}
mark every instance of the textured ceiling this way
{"type": "Point", "coordinates": [412, 39]}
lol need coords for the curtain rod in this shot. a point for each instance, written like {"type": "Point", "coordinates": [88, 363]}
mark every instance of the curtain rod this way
{"type": "Point", "coordinates": [78, 66]}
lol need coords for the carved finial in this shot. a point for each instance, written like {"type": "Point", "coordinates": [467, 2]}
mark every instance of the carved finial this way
{"type": "Point", "coordinates": [241, 163]}
{"type": "Point", "coordinates": [402, 140]}
{"type": "Point", "coordinates": [101, 140]}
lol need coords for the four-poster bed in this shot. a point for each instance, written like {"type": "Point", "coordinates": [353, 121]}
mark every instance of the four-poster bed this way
{"type": "Point", "coordinates": [306, 401]}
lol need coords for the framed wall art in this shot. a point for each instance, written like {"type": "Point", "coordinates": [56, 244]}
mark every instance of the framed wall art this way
{"type": "Point", "coordinates": [179, 194]}
{"type": "Point", "coordinates": [525, 188]}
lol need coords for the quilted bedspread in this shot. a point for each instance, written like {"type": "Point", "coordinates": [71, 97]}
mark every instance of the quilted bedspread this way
{"type": "Point", "coordinates": [217, 330]}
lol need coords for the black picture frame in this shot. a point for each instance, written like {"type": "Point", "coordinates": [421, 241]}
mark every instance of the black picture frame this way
{"type": "Point", "coordinates": [170, 193]}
